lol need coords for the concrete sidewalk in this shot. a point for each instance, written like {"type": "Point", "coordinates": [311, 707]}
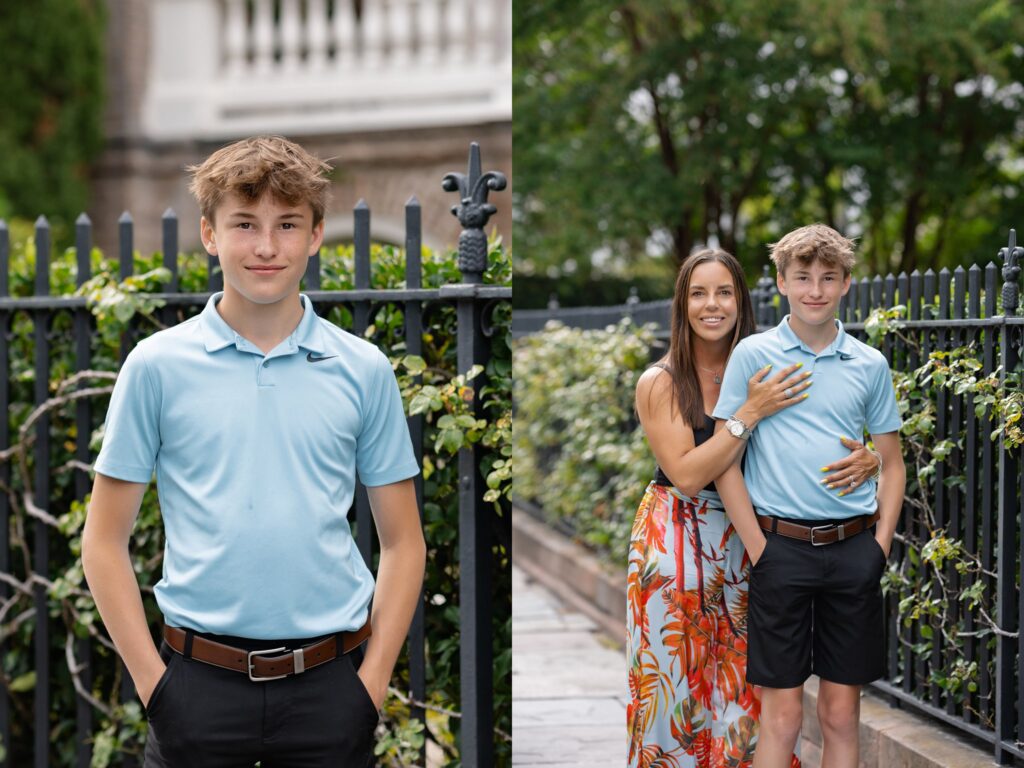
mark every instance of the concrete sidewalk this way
{"type": "Point", "coordinates": [569, 689]}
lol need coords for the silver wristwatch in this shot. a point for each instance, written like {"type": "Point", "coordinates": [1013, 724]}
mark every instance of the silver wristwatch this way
{"type": "Point", "coordinates": [737, 428]}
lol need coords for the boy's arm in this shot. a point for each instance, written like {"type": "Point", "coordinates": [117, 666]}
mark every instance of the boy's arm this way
{"type": "Point", "coordinates": [399, 581]}
{"type": "Point", "coordinates": [108, 570]}
{"type": "Point", "coordinates": [738, 508]}
{"type": "Point", "coordinates": [891, 487]}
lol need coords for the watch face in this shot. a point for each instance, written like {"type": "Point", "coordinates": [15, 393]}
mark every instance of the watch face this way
{"type": "Point", "coordinates": [736, 428]}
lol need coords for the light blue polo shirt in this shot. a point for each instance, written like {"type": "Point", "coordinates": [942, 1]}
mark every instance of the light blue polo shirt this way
{"type": "Point", "coordinates": [256, 458]}
{"type": "Point", "coordinates": [852, 390]}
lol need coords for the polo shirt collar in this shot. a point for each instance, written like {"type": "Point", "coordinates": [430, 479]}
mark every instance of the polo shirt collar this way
{"type": "Point", "coordinates": [217, 334]}
{"type": "Point", "coordinates": [840, 345]}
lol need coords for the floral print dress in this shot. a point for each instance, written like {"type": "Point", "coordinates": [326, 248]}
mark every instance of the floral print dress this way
{"type": "Point", "coordinates": [690, 705]}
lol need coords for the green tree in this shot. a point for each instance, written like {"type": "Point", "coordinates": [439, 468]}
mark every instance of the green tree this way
{"type": "Point", "coordinates": [52, 62]}
{"type": "Point", "coordinates": [663, 124]}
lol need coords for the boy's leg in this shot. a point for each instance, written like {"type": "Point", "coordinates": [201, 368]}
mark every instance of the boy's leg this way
{"type": "Point", "coordinates": [781, 717]}
{"type": "Point", "coordinates": [783, 584]}
{"type": "Point", "coordinates": [848, 647]}
{"type": "Point", "coordinates": [202, 716]}
{"type": "Point", "coordinates": [839, 716]}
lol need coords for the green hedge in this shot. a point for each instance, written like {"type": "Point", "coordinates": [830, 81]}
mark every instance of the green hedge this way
{"type": "Point", "coordinates": [580, 453]}
{"type": "Point", "coordinates": [120, 728]}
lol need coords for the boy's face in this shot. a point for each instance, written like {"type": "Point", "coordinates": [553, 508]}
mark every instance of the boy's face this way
{"type": "Point", "coordinates": [263, 246]}
{"type": "Point", "coordinates": [813, 290]}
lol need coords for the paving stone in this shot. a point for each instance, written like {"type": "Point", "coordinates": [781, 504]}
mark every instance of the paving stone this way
{"type": "Point", "coordinates": [547, 642]}
{"type": "Point", "coordinates": [589, 745]}
{"type": "Point", "coordinates": [530, 713]}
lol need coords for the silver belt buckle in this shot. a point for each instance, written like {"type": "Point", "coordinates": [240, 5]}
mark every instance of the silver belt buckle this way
{"type": "Point", "coordinates": [258, 653]}
{"type": "Point", "coordinates": [825, 528]}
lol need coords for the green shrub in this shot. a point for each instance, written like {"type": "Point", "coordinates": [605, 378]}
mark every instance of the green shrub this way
{"type": "Point", "coordinates": [431, 385]}
{"type": "Point", "coordinates": [580, 453]}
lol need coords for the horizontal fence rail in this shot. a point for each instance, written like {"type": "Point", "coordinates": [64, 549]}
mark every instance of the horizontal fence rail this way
{"type": "Point", "coordinates": [975, 490]}
{"type": "Point", "coordinates": [67, 322]}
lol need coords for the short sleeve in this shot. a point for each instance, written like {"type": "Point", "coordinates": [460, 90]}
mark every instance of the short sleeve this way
{"type": "Point", "coordinates": [882, 412]}
{"type": "Point", "coordinates": [384, 451]}
{"type": "Point", "coordinates": [131, 435]}
{"type": "Point", "coordinates": [738, 371]}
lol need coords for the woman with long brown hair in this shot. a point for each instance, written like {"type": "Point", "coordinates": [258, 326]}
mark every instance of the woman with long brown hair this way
{"type": "Point", "coordinates": [687, 578]}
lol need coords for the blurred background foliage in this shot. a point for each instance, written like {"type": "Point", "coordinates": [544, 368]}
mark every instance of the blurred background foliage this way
{"type": "Point", "coordinates": [51, 56]}
{"type": "Point", "coordinates": [647, 128]}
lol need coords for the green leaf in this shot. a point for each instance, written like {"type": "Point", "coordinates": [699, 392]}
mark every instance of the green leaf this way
{"type": "Point", "coordinates": [414, 364]}
{"type": "Point", "coordinates": [23, 683]}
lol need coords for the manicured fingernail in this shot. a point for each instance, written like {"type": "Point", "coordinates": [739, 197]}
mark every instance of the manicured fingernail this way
{"type": "Point", "coordinates": [843, 437]}
{"type": "Point", "coordinates": [806, 395]}
{"type": "Point", "coordinates": [842, 493]}
{"type": "Point", "coordinates": [823, 481]}
{"type": "Point", "coordinates": [768, 366]}
{"type": "Point", "coordinates": [807, 373]}
{"type": "Point", "coordinates": [799, 365]}
{"type": "Point", "coordinates": [824, 469]}
{"type": "Point", "coordinates": [830, 486]}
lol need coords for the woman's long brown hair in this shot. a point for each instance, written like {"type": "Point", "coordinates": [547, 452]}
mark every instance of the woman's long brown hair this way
{"type": "Point", "coordinates": [679, 361]}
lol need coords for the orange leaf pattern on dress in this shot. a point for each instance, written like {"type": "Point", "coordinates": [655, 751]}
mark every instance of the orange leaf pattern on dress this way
{"type": "Point", "coordinates": [690, 705]}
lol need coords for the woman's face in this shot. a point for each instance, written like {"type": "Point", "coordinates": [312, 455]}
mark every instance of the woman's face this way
{"type": "Point", "coordinates": [711, 302]}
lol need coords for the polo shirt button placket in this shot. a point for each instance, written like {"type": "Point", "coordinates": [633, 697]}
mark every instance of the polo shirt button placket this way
{"type": "Point", "coordinates": [263, 374]}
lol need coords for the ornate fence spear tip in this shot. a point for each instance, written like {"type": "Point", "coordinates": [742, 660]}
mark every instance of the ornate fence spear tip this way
{"type": "Point", "coordinates": [169, 214]}
{"type": "Point", "coordinates": [412, 202]}
{"type": "Point", "coordinates": [3, 225]}
{"type": "Point", "coordinates": [83, 219]}
{"type": "Point", "coordinates": [473, 210]}
{"type": "Point", "coordinates": [1011, 271]}
{"type": "Point", "coordinates": [42, 223]}
{"type": "Point", "coordinates": [125, 218]}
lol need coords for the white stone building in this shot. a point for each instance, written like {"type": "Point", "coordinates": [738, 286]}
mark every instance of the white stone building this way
{"type": "Point", "coordinates": [391, 91]}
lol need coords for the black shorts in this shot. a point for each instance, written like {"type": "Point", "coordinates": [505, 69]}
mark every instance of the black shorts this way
{"type": "Point", "coordinates": [816, 610]}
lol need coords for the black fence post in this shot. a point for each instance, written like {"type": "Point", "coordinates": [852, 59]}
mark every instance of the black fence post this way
{"type": "Point", "coordinates": [83, 430]}
{"type": "Point", "coordinates": [41, 499]}
{"type": "Point", "coordinates": [414, 346]}
{"type": "Point", "coordinates": [5, 467]}
{"type": "Point", "coordinates": [1006, 567]}
{"type": "Point", "coordinates": [475, 540]}
{"type": "Point", "coordinates": [764, 305]}
{"type": "Point", "coordinates": [360, 322]}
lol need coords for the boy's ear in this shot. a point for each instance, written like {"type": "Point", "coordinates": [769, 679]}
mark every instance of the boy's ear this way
{"type": "Point", "coordinates": [780, 281]}
{"type": "Point", "coordinates": [318, 238]}
{"type": "Point", "coordinates": [846, 284]}
{"type": "Point", "coordinates": [207, 235]}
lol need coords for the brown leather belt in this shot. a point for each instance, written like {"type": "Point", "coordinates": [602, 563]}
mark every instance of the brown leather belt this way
{"type": "Point", "coordinates": [266, 663]}
{"type": "Point", "coordinates": [818, 535]}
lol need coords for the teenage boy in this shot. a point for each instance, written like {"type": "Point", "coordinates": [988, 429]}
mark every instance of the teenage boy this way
{"type": "Point", "coordinates": [257, 416]}
{"type": "Point", "coordinates": [818, 550]}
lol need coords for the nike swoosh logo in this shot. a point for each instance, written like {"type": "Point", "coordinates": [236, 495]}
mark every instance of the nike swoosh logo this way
{"type": "Point", "coordinates": [311, 359]}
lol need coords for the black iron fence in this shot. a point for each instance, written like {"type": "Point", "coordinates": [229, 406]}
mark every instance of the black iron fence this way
{"type": "Point", "coordinates": [974, 494]}
{"type": "Point", "coordinates": [55, 317]}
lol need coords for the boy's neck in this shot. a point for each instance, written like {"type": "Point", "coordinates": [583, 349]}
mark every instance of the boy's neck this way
{"type": "Point", "coordinates": [816, 337]}
{"type": "Point", "coordinates": [265, 325]}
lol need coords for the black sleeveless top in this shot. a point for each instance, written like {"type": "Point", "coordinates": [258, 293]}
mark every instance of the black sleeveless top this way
{"type": "Point", "coordinates": [701, 435]}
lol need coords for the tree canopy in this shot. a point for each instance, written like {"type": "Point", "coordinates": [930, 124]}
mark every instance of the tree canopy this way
{"type": "Point", "coordinates": [654, 126]}
{"type": "Point", "coordinates": [51, 91]}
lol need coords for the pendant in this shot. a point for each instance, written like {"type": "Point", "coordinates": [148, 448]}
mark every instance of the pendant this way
{"type": "Point", "coordinates": [718, 379]}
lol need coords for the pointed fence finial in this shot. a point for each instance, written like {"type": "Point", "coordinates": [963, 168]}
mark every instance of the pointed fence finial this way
{"type": "Point", "coordinates": [473, 212]}
{"type": "Point", "coordinates": [1011, 271]}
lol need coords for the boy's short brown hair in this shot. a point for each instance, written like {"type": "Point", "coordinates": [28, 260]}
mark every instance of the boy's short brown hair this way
{"type": "Point", "coordinates": [252, 167]}
{"type": "Point", "coordinates": [810, 243]}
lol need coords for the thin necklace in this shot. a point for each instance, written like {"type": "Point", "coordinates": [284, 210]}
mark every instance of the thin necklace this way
{"type": "Point", "coordinates": [716, 374]}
